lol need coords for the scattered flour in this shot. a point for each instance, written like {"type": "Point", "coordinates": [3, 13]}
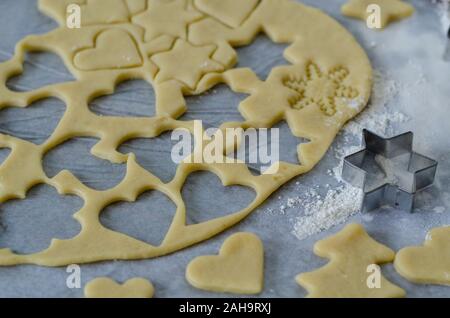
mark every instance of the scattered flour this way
{"type": "Point", "coordinates": [378, 116]}
{"type": "Point", "coordinates": [439, 209]}
{"type": "Point", "coordinates": [339, 203]}
{"type": "Point", "coordinates": [336, 207]}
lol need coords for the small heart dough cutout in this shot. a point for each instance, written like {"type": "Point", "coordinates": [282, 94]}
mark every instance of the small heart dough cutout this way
{"type": "Point", "coordinates": [104, 287]}
{"type": "Point", "coordinates": [113, 49]}
{"type": "Point", "coordinates": [239, 267]}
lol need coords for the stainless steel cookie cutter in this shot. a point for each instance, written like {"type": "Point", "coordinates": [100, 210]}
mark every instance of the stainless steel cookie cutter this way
{"type": "Point", "coordinates": [419, 173]}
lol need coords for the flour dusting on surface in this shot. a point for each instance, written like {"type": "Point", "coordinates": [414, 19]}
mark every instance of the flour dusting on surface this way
{"type": "Point", "coordinates": [336, 207]}
{"type": "Point", "coordinates": [321, 212]}
{"type": "Point", "coordinates": [378, 116]}
{"type": "Point", "coordinates": [444, 13]}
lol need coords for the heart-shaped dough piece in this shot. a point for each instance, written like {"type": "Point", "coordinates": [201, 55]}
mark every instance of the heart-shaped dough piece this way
{"type": "Point", "coordinates": [427, 264]}
{"type": "Point", "coordinates": [239, 267]}
{"type": "Point", "coordinates": [230, 12]}
{"type": "Point", "coordinates": [114, 49]}
{"type": "Point", "coordinates": [104, 287]}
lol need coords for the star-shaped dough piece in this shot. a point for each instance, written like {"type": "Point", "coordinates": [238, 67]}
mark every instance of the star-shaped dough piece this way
{"type": "Point", "coordinates": [166, 18]}
{"type": "Point", "coordinates": [186, 63]}
{"type": "Point", "coordinates": [427, 264]}
{"type": "Point", "coordinates": [391, 10]}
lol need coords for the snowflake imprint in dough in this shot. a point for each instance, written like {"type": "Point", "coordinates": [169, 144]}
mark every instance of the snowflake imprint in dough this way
{"type": "Point", "coordinates": [317, 88]}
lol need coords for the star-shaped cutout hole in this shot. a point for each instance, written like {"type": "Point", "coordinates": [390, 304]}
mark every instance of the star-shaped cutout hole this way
{"type": "Point", "coordinates": [390, 10]}
{"type": "Point", "coordinates": [186, 63]}
{"type": "Point", "coordinates": [166, 18]}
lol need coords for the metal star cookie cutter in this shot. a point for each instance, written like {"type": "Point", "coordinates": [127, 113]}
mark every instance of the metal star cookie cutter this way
{"type": "Point", "coordinates": [400, 193]}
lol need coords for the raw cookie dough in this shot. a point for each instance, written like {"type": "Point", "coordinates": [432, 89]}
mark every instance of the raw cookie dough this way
{"type": "Point", "coordinates": [391, 10]}
{"type": "Point", "coordinates": [327, 83]}
{"type": "Point", "coordinates": [104, 287]}
{"type": "Point", "coordinates": [351, 252]}
{"type": "Point", "coordinates": [239, 267]}
{"type": "Point", "coordinates": [427, 264]}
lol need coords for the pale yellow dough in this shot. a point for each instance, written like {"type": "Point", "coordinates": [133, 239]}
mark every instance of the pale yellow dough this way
{"type": "Point", "coordinates": [350, 251]}
{"type": "Point", "coordinates": [391, 10]}
{"type": "Point", "coordinates": [104, 287]}
{"type": "Point", "coordinates": [327, 83]}
{"type": "Point", "coordinates": [239, 267]}
{"type": "Point", "coordinates": [427, 264]}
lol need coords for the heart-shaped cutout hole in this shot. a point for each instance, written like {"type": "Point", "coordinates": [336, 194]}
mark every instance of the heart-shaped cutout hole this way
{"type": "Point", "coordinates": [148, 219]}
{"type": "Point", "coordinates": [75, 156]}
{"type": "Point", "coordinates": [39, 69]}
{"type": "Point", "coordinates": [262, 148]}
{"type": "Point", "coordinates": [206, 198]}
{"type": "Point", "coordinates": [133, 98]}
{"type": "Point", "coordinates": [156, 154]}
{"type": "Point", "coordinates": [34, 123]}
{"type": "Point", "coordinates": [214, 107]}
